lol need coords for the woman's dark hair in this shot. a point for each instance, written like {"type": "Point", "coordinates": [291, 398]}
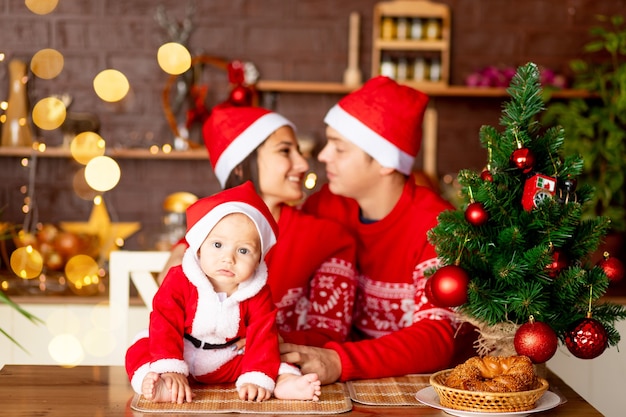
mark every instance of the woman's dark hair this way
{"type": "Point", "coordinates": [247, 170]}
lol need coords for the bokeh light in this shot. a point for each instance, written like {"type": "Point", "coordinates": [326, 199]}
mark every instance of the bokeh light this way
{"type": "Point", "coordinates": [49, 113]}
{"type": "Point", "coordinates": [111, 85]}
{"type": "Point", "coordinates": [62, 321]}
{"type": "Point", "coordinates": [99, 342]}
{"type": "Point", "coordinates": [47, 63]}
{"type": "Point", "coordinates": [41, 7]}
{"type": "Point", "coordinates": [87, 145]}
{"type": "Point", "coordinates": [99, 316]}
{"type": "Point", "coordinates": [174, 58]}
{"type": "Point", "coordinates": [26, 262]}
{"type": "Point", "coordinates": [82, 270]}
{"type": "Point", "coordinates": [179, 202]}
{"type": "Point", "coordinates": [310, 181]}
{"type": "Point", "coordinates": [66, 350]}
{"type": "Point", "coordinates": [102, 173]}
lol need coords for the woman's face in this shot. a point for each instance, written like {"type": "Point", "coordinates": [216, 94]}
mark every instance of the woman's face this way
{"type": "Point", "coordinates": [281, 168]}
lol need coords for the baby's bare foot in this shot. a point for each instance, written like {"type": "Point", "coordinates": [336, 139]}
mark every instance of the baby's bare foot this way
{"type": "Point", "coordinates": [153, 388]}
{"type": "Point", "coordinates": [298, 387]}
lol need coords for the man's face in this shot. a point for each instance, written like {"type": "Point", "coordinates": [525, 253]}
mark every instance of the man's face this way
{"type": "Point", "coordinates": [349, 170]}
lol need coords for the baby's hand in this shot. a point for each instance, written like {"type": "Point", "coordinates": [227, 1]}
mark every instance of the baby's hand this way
{"type": "Point", "coordinates": [178, 385]}
{"type": "Point", "coordinates": [251, 392]}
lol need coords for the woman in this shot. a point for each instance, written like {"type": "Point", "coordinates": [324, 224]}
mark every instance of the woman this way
{"type": "Point", "coordinates": [311, 268]}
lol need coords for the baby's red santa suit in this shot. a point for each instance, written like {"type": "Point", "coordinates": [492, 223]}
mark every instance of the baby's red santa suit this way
{"type": "Point", "coordinates": [193, 328]}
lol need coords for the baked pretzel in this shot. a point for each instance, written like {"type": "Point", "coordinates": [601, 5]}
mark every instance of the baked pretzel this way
{"type": "Point", "coordinates": [493, 374]}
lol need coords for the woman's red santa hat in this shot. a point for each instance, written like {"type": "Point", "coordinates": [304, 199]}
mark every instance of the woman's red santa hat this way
{"type": "Point", "coordinates": [204, 214]}
{"type": "Point", "coordinates": [384, 119]}
{"type": "Point", "coordinates": [232, 133]}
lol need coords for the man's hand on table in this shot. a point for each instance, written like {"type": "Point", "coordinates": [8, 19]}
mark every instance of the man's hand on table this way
{"type": "Point", "coordinates": [324, 362]}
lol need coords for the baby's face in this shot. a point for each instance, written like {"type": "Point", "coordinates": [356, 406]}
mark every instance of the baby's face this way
{"type": "Point", "coordinates": [231, 252]}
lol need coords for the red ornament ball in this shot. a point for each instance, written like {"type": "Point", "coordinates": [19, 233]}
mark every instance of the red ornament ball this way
{"type": "Point", "coordinates": [536, 340]}
{"type": "Point", "coordinates": [476, 214]}
{"type": "Point", "coordinates": [559, 263]}
{"type": "Point", "coordinates": [587, 339]}
{"type": "Point", "coordinates": [612, 267]}
{"type": "Point", "coordinates": [240, 96]}
{"type": "Point", "coordinates": [486, 176]}
{"type": "Point", "coordinates": [523, 159]}
{"type": "Point", "coordinates": [449, 286]}
{"type": "Point", "coordinates": [428, 289]}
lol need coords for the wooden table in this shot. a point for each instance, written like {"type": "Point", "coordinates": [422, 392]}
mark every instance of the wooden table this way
{"type": "Point", "coordinates": [103, 391]}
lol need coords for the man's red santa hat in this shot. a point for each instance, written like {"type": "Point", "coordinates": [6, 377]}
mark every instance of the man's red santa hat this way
{"type": "Point", "coordinates": [205, 213]}
{"type": "Point", "coordinates": [384, 119]}
{"type": "Point", "coordinates": [232, 133]}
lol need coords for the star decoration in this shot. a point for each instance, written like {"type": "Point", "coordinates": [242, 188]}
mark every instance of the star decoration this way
{"type": "Point", "coordinates": [109, 234]}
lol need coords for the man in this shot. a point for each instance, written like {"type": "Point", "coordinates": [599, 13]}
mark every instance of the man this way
{"type": "Point", "coordinates": [374, 135]}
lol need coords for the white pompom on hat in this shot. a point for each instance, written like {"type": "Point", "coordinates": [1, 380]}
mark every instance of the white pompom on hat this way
{"type": "Point", "coordinates": [204, 214]}
{"type": "Point", "coordinates": [232, 133]}
{"type": "Point", "coordinates": [384, 119]}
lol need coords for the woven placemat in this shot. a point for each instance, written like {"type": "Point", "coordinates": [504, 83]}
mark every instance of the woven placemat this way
{"type": "Point", "coordinates": [224, 399]}
{"type": "Point", "coordinates": [399, 390]}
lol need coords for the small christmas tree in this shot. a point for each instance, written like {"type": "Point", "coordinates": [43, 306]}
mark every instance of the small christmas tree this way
{"type": "Point", "coordinates": [517, 255]}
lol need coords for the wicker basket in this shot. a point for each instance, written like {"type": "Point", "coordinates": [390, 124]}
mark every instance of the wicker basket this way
{"type": "Point", "coordinates": [486, 402]}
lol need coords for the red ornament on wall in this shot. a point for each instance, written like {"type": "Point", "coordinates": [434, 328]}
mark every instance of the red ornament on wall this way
{"type": "Point", "coordinates": [241, 96]}
{"type": "Point", "coordinates": [536, 340]}
{"type": "Point", "coordinates": [236, 73]}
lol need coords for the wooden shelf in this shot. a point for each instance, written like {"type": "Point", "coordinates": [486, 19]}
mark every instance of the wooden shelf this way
{"type": "Point", "coordinates": [402, 45]}
{"type": "Point", "coordinates": [434, 90]}
{"type": "Point", "coordinates": [277, 86]}
{"type": "Point", "coordinates": [431, 89]}
{"type": "Point", "coordinates": [64, 152]}
{"type": "Point", "coordinates": [386, 40]}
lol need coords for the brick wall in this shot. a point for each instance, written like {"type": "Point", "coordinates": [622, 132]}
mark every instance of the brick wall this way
{"type": "Point", "coordinates": [287, 40]}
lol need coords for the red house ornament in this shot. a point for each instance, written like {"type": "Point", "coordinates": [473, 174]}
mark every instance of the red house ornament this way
{"type": "Point", "coordinates": [536, 189]}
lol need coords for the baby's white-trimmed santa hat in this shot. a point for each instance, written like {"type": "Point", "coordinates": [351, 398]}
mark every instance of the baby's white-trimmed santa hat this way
{"type": "Point", "coordinates": [232, 133]}
{"type": "Point", "coordinates": [384, 119]}
{"type": "Point", "coordinates": [205, 213]}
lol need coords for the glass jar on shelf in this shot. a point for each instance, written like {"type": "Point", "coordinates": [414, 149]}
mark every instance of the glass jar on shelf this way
{"type": "Point", "coordinates": [402, 28]}
{"type": "Point", "coordinates": [420, 69]}
{"type": "Point", "coordinates": [387, 67]}
{"type": "Point", "coordinates": [433, 29]}
{"type": "Point", "coordinates": [435, 70]}
{"type": "Point", "coordinates": [402, 69]}
{"type": "Point", "coordinates": [417, 28]}
{"type": "Point", "coordinates": [388, 28]}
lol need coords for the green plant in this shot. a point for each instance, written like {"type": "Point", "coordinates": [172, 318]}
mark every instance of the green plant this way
{"type": "Point", "coordinates": [596, 127]}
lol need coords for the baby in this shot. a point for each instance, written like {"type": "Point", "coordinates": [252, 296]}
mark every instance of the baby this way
{"type": "Point", "coordinates": [217, 296]}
